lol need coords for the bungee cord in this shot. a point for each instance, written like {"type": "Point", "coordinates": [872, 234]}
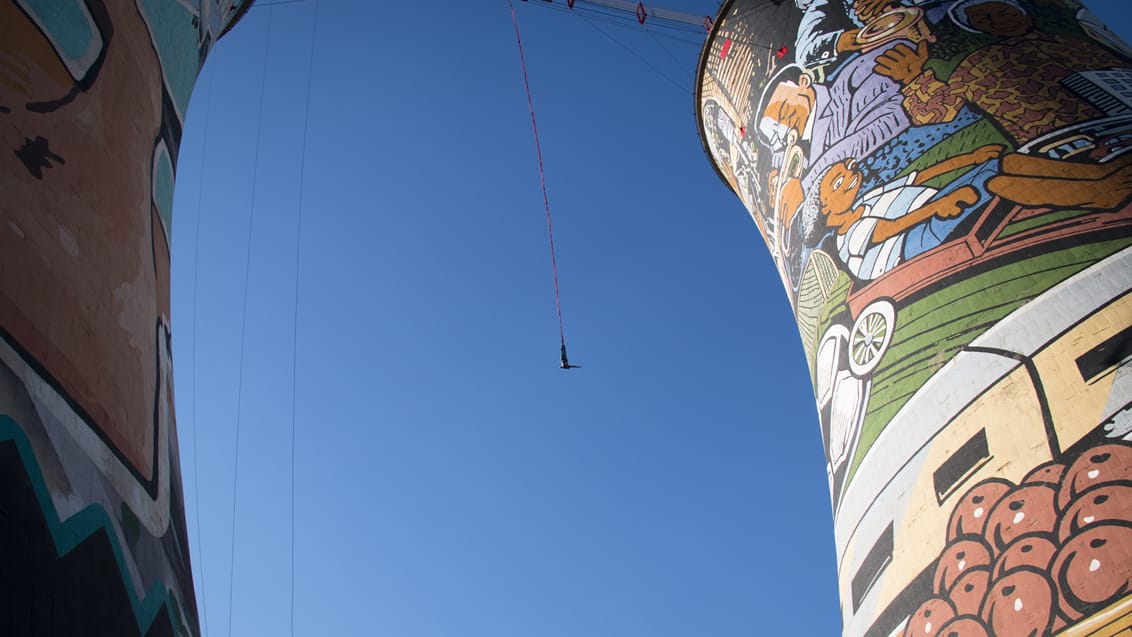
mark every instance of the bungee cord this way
{"type": "Point", "coordinates": [564, 363]}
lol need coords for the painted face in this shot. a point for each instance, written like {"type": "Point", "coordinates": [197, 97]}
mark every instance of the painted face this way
{"type": "Point", "coordinates": [838, 190]}
{"type": "Point", "coordinates": [999, 18]}
{"type": "Point", "coordinates": [787, 112]}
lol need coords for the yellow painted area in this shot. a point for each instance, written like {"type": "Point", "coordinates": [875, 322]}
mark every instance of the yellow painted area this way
{"type": "Point", "coordinates": [1010, 414]}
{"type": "Point", "coordinates": [1114, 621]}
{"type": "Point", "coordinates": [1077, 404]}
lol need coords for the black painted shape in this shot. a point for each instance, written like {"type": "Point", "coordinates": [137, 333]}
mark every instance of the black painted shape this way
{"type": "Point", "coordinates": [1108, 354]}
{"type": "Point", "coordinates": [36, 155]}
{"type": "Point", "coordinates": [902, 606]}
{"type": "Point", "coordinates": [879, 557]}
{"type": "Point", "coordinates": [43, 594]}
{"type": "Point", "coordinates": [960, 464]}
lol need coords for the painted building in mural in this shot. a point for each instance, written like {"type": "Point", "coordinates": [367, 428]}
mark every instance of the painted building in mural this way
{"type": "Point", "coordinates": [946, 189]}
{"type": "Point", "coordinates": [93, 95]}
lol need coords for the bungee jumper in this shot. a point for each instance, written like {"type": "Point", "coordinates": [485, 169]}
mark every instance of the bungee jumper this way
{"type": "Point", "coordinates": [565, 364]}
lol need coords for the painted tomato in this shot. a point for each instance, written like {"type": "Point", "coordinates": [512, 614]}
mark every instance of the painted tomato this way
{"type": "Point", "coordinates": [957, 557]}
{"type": "Point", "coordinates": [970, 590]}
{"type": "Point", "coordinates": [1036, 551]}
{"type": "Point", "coordinates": [929, 618]}
{"type": "Point", "coordinates": [1024, 510]}
{"type": "Point", "coordinates": [1105, 503]}
{"type": "Point", "coordinates": [1019, 604]}
{"type": "Point", "coordinates": [1100, 465]}
{"type": "Point", "coordinates": [1093, 568]}
{"type": "Point", "coordinates": [970, 514]}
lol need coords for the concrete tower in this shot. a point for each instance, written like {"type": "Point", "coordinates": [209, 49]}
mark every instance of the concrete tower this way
{"type": "Point", "coordinates": [946, 189]}
{"type": "Point", "coordinates": [93, 95]}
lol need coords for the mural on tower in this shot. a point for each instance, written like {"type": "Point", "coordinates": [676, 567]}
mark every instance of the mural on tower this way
{"type": "Point", "coordinates": [945, 187]}
{"type": "Point", "coordinates": [93, 96]}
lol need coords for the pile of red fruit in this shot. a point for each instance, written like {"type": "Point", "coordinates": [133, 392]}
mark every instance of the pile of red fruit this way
{"type": "Point", "coordinates": [1029, 559]}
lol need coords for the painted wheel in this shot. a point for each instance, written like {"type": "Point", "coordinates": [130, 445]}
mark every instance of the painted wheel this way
{"type": "Point", "coordinates": [870, 336]}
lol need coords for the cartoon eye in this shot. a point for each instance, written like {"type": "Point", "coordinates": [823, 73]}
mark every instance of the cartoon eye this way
{"type": "Point", "coordinates": [853, 184]}
{"type": "Point", "coordinates": [837, 182]}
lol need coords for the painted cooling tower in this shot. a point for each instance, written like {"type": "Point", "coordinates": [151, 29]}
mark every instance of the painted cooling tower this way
{"type": "Point", "coordinates": [946, 189]}
{"type": "Point", "coordinates": [92, 523]}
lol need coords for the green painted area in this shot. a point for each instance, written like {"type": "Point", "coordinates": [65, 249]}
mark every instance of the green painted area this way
{"type": "Point", "coordinates": [835, 305]}
{"type": "Point", "coordinates": [171, 25]}
{"type": "Point", "coordinates": [931, 330]}
{"type": "Point", "coordinates": [163, 180]}
{"type": "Point", "coordinates": [1040, 220]}
{"type": "Point", "coordinates": [66, 23]}
{"type": "Point", "coordinates": [69, 533]}
{"type": "Point", "coordinates": [981, 133]}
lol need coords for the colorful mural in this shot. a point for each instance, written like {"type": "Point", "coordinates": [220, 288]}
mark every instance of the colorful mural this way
{"type": "Point", "coordinates": [946, 189]}
{"type": "Point", "coordinates": [92, 101]}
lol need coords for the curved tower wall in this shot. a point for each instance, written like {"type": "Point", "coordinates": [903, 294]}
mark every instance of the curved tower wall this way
{"type": "Point", "coordinates": [93, 95]}
{"type": "Point", "coordinates": [946, 189]}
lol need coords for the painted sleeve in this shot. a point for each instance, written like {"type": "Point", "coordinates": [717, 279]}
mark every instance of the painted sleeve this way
{"type": "Point", "coordinates": [816, 42]}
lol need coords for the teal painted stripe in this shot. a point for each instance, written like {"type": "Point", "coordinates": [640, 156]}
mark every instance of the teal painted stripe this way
{"type": "Point", "coordinates": [70, 533]}
{"type": "Point", "coordinates": [67, 24]}
{"type": "Point", "coordinates": [163, 187]}
{"type": "Point", "coordinates": [172, 27]}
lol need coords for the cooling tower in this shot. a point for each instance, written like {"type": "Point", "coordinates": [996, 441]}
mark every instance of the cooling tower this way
{"type": "Point", "coordinates": [945, 188]}
{"type": "Point", "coordinates": [93, 95]}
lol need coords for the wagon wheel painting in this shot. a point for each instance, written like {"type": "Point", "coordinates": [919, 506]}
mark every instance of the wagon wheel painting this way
{"type": "Point", "coordinates": [870, 337]}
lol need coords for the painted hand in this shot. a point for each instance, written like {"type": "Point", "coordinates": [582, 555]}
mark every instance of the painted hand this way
{"type": "Point", "coordinates": [866, 10]}
{"type": "Point", "coordinates": [902, 63]}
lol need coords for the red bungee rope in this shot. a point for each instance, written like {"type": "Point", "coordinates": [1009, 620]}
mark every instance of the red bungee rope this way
{"type": "Point", "coordinates": [542, 179]}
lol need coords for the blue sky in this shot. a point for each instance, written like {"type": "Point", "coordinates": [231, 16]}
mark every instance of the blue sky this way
{"type": "Point", "coordinates": [450, 479]}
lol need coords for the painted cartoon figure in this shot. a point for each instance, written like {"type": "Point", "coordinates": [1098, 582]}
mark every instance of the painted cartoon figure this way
{"type": "Point", "coordinates": [859, 110]}
{"type": "Point", "coordinates": [945, 190]}
{"type": "Point", "coordinates": [787, 113]}
{"type": "Point", "coordinates": [874, 231]}
{"type": "Point", "coordinates": [1025, 106]}
{"type": "Point", "coordinates": [831, 28]}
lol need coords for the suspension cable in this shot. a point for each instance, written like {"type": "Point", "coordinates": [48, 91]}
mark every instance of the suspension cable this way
{"type": "Point", "coordinates": [196, 278]}
{"type": "Point", "coordinates": [542, 180]}
{"type": "Point", "coordinates": [295, 316]}
{"type": "Point", "coordinates": [244, 322]}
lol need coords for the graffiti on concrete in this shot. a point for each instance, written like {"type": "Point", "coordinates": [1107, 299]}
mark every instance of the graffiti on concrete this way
{"type": "Point", "coordinates": [93, 97]}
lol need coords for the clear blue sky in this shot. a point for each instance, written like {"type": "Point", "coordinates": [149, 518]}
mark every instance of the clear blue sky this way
{"type": "Point", "coordinates": [450, 479]}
